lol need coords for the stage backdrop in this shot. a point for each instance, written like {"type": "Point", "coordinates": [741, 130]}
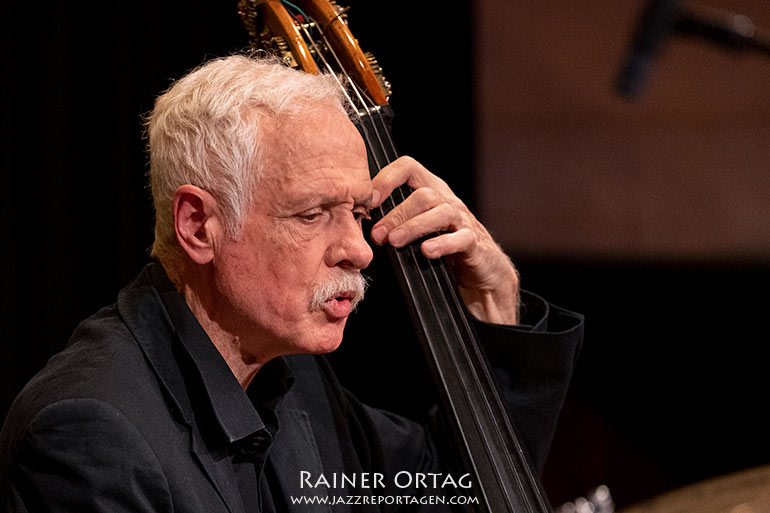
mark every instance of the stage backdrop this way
{"type": "Point", "coordinates": [566, 166]}
{"type": "Point", "coordinates": [650, 215]}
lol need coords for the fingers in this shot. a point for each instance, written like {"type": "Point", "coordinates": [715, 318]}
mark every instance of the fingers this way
{"type": "Point", "coordinates": [486, 276]}
{"type": "Point", "coordinates": [404, 170]}
{"type": "Point", "coordinates": [447, 244]}
{"type": "Point", "coordinates": [410, 221]}
{"type": "Point", "coordinates": [430, 209]}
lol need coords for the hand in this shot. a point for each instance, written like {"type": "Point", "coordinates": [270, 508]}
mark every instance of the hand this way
{"type": "Point", "coordinates": [488, 281]}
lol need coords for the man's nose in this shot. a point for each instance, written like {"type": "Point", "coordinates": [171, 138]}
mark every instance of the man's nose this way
{"type": "Point", "coordinates": [350, 250]}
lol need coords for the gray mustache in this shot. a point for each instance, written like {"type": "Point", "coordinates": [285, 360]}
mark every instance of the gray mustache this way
{"type": "Point", "coordinates": [342, 283]}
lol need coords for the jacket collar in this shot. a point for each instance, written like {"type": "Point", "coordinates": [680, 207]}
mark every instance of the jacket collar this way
{"type": "Point", "coordinates": [158, 317]}
{"type": "Point", "coordinates": [193, 372]}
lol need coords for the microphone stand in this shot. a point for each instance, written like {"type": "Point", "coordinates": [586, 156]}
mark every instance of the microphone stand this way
{"type": "Point", "coordinates": [732, 31]}
{"type": "Point", "coordinates": [664, 18]}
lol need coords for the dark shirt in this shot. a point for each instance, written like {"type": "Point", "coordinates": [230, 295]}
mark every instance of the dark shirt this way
{"type": "Point", "coordinates": [141, 413]}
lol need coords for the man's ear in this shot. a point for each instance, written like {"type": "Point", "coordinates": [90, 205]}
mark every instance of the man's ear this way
{"type": "Point", "coordinates": [196, 221]}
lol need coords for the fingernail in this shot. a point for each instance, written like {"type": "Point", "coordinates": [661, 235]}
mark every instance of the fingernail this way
{"type": "Point", "coordinates": [395, 237]}
{"type": "Point", "coordinates": [429, 247]}
{"type": "Point", "coordinates": [375, 198]}
{"type": "Point", "coordinates": [379, 234]}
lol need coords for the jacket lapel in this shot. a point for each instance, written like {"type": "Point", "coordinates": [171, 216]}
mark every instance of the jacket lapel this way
{"type": "Point", "coordinates": [294, 451]}
{"type": "Point", "coordinates": [142, 309]}
{"type": "Point", "coordinates": [219, 472]}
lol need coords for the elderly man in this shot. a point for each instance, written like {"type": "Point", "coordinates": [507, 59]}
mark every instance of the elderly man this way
{"type": "Point", "coordinates": [199, 389]}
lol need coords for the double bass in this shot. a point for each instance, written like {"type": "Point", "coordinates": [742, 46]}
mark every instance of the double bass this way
{"type": "Point", "coordinates": [313, 35]}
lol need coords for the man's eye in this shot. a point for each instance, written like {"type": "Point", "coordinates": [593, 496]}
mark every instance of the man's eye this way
{"type": "Point", "coordinates": [361, 214]}
{"type": "Point", "coordinates": [310, 217]}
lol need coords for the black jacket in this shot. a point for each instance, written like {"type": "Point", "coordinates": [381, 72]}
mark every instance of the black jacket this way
{"type": "Point", "coordinates": [140, 413]}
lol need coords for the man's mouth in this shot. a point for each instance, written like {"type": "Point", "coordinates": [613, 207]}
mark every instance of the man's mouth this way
{"type": "Point", "coordinates": [339, 295]}
{"type": "Point", "coordinates": [340, 306]}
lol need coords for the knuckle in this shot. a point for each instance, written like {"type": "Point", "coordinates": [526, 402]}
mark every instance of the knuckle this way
{"type": "Point", "coordinates": [448, 211]}
{"type": "Point", "coordinates": [426, 197]}
{"type": "Point", "coordinates": [397, 216]}
{"type": "Point", "coordinates": [466, 237]}
{"type": "Point", "coordinates": [406, 160]}
{"type": "Point", "coordinates": [447, 216]}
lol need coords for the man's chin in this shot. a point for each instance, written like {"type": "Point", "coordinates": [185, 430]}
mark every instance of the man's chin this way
{"type": "Point", "coordinates": [326, 339]}
{"type": "Point", "coordinates": [319, 336]}
{"type": "Point", "coordinates": [325, 346]}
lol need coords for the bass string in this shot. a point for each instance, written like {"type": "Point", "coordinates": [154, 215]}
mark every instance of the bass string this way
{"type": "Point", "coordinates": [470, 345]}
{"type": "Point", "coordinates": [470, 350]}
{"type": "Point", "coordinates": [363, 106]}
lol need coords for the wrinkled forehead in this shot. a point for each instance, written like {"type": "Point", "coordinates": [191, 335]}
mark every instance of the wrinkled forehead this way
{"type": "Point", "coordinates": [315, 151]}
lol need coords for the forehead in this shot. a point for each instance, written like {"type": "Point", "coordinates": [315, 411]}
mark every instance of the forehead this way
{"type": "Point", "coordinates": [319, 153]}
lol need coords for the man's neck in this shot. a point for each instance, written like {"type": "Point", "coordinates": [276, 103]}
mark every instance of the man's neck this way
{"type": "Point", "coordinates": [199, 293]}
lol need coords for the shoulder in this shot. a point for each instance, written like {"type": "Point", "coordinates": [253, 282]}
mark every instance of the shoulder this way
{"type": "Point", "coordinates": [96, 413]}
{"type": "Point", "coordinates": [96, 361]}
{"type": "Point", "coordinates": [101, 364]}
{"type": "Point", "coordinates": [82, 439]}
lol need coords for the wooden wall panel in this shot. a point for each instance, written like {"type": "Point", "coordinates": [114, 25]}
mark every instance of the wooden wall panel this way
{"type": "Point", "coordinates": [566, 167]}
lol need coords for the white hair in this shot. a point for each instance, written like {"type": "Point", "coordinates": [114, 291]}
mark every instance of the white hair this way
{"type": "Point", "coordinates": [205, 131]}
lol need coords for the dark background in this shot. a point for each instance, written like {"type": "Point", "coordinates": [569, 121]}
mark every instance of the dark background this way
{"type": "Point", "coordinates": [670, 389]}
